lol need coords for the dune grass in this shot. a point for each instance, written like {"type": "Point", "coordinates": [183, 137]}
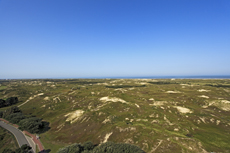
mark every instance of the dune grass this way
{"type": "Point", "coordinates": [148, 118]}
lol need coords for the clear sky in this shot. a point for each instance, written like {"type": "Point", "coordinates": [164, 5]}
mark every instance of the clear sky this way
{"type": "Point", "coordinates": [107, 38]}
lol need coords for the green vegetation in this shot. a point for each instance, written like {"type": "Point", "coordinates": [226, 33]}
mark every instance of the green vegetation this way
{"type": "Point", "coordinates": [163, 82]}
{"type": "Point", "coordinates": [2, 88]}
{"type": "Point", "coordinates": [8, 102]}
{"type": "Point", "coordinates": [161, 115]}
{"type": "Point", "coordinates": [219, 85]}
{"type": "Point", "coordinates": [108, 147]}
{"type": "Point", "coordinates": [7, 140]}
{"type": "Point", "coordinates": [23, 149]}
{"type": "Point", "coordinates": [125, 86]}
{"type": "Point", "coordinates": [29, 123]}
{"type": "Point", "coordinates": [33, 125]}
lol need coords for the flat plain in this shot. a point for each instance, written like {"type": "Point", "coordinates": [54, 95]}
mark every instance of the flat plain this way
{"type": "Point", "coordinates": [158, 115]}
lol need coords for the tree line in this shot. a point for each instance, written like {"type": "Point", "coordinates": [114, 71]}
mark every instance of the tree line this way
{"type": "Point", "coordinates": [108, 147]}
{"type": "Point", "coordinates": [8, 102]}
{"type": "Point", "coordinates": [29, 123]}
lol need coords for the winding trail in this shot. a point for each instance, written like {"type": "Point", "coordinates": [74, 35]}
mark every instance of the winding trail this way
{"type": "Point", "coordinates": [23, 103]}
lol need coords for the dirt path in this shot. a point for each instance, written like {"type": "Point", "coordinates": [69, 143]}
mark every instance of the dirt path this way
{"type": "Point", "coordinates": [40, 94]}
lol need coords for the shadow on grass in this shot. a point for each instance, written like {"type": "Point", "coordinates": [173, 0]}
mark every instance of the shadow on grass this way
{"type": "Point", "coordinates": [45, 127]}
{"type": "Point", "coordinates": [45, 151]}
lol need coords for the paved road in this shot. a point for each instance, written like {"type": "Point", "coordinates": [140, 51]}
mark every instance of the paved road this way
{"type": "Point", "coordinates": [17, 133]}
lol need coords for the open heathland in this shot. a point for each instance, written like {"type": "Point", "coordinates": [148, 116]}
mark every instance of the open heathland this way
{"type": "Point", "coordinates": [157, 115]}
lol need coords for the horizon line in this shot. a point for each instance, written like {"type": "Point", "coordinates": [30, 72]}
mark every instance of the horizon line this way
{"type": "Point", "coordinates": [134, 77]}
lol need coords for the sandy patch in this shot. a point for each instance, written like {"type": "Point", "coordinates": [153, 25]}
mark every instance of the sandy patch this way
{"type": "Point", "coordinates": [222, 104]}
{"type": "Point", "coordinates": [107, 137]}
{"type": "Point", "coordinates": [72, 93]}
{"type": "Point", "coordinates": [40, 94]}
{"type": "Point", "coordinates": [165, 118]}
{"type": "Point", "coordinates": [112, 99]}
{"type": "Point", "coordinates": [203, 90]}
{"type": "Point", "coordinates": [187, 85]}
{"type": "Point", "coordinates": [176, 129]}
{"type": "Point", "coordinates": [203, 96]}
{"type": "Point", "coordinates": [137, 105]}
{"type": "Point", "coordinates": [212, 120]}
{"type": "Point", "coordinates": [152, 115]}
{"type": "Point", "coordinates": [205, 106]}
{"type": "Point", "coordinates": [144, 120]}
{"type": "Point", "coordinates": [172, 92]}
{"type": "Point", "coordinates": [106, 120]}
{"type": "Point", "coordinates": [128, 129]}
{"type": "Point", "coordinates": [120, 89]}
{"type": "Point", "coordinates": [155, 121]}
{"type": "Point", "coordinates": [183, 109]}
{"type": "Point", "coordinates": [46, 98]}
{"type": "Point", "coordinates": [225, 101]}
{"type": "Point", "coordinates": [154, 149]}
{"type": "Point", "coordinates": [202, 119]}
{"type": "Point", "coordinates": [129, 140]}
{"type": "Point", "coordinates": [56, 99]}
{"type": "Point", "coordinates": [142, 83]}
{"type": "Point", "coordinates": [102, 84]}
{"type": "Point", "coordinates": [74, 116]}
{"type": "Point", "coordinates": [158, 103]}
{"type": "Point", "coordinates": [60, 127]}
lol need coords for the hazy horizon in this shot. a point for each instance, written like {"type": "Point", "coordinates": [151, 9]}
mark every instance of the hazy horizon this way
{"type": "Point", "coordinates": [122, 38]}
{"type": "Point", "coordinates": [132, 77]}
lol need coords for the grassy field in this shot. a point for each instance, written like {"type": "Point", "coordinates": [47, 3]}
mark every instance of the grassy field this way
{"type": "Point", "coordinates": [162, 115]}
{"type": "Point", "coordinates": [7, 140]}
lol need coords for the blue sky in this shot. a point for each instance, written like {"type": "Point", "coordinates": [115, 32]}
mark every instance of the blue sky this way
{"type": "Point", "coordinates": [107, 38]}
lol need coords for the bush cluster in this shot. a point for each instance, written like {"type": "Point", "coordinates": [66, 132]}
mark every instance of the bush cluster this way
{"type": "Point", "coordinates": [108, 147]}
{"type": "Point", "coordinates": [8, 102]}
{"type": "Point", "coordinates": [29, 123]}
{"type": "Point", "coordinates": [33, 125]}
{"type": "Point", "coordinates": [24, 149]}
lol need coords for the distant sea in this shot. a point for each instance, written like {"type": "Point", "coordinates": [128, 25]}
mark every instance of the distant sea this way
{"type": "Point", "coordinates": [173, 77]}
{"type": "Point", "coordinates": [139, 77]}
